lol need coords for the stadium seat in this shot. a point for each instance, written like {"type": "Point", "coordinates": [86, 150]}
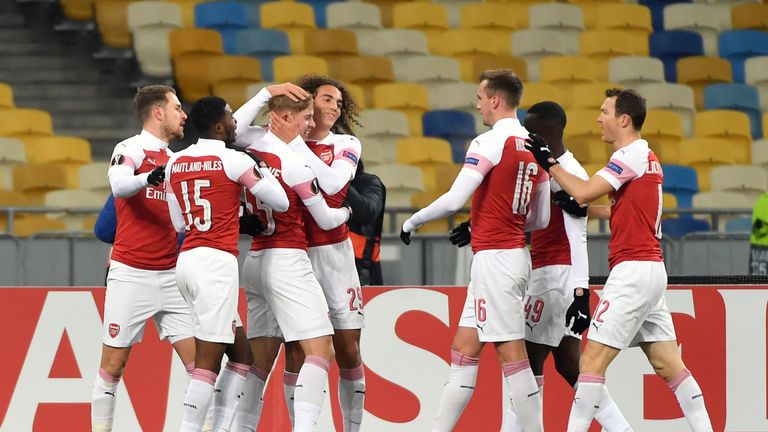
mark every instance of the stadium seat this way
{"type": "Point", "coordinates": [384, 128]}
{"type": "Point", "coordinates": [588, 95]}
{"type": "Point", "coordinates": [759, 154]}
{"type": "Point", "coordinates": [657, 11]}
{"type": "Point", "coordinates": [31, 225]}
{"type": "Point", "coordinates": [24, 122]}
{"type": "Point", "coordinates": [230, 76]}
{"type": "Point", "coordinates": [424, 151]}
{"type": "Point", "coordinates": [253, 11]}
{"type": "Point", "coordinates": [603, 45]}
{"type": "Point", "coordinates": [679, 227]}
{"type": "Point", "coordinates": [291, 67]}
{"type": "Point", "coordinates": [568, 70]}
{"type": "Point", "coordinates": [153, 13]}
{"type": "Point", "coordinates": [365, 71]}
{"type": "Point", "coordinates": [423, 199]}
{"type": "Point", "coordinates": [319, 7]}
{"type": "Point", "coordinates": [290, 17]}
{"type": "Point", "coordinates": [73, 199]}
{"type": "Point", "coordinates": [738, 97]}
{"type": "Point", "coordinates": [733, 126]}
{"type": "Point", "coordinates": [193, 41]}
{"type": "Point", "coordinates": [633, 71]}
{"type": "Point", "coordinates": [393, 43]}
{"type": "Point", "coordinates": [739, 45]}
{"type": "Point", "coordinates": [330, 43]}
{"type": "Point", "coordinates": [357, 94]}
{"type": "Point", "coordinates": [756, 74]}
{"type": "Point", "coordinates": [582, 135]}
{"type": "Point", "coordinates": [150, 23]}
{"type": "Point", "coordinates": [93, 177]}
{"type": "Point", "coordinates": [457, 96]}
{"type": "Point", "coordinates": [411, 99]}
{"type": "Point", "coordinates": [35, 180]}
{"type": "Point", "coordinates": [590, 149]}
{"type": "Point", "coordinates": [663, 130]}
{"type": "Point", "coordinates": [68, 152]}
{"type": "Point", "coordinates": [77, 10]}
{"type": "Point", "coordinates": [187, 8]}
{"type": "Point", "coordinates": [377, 153]}
{"type": "Point", "coordinates": [427, 70]}
{"type": "Point", "coordinates": [672, 97]}
{"type": "Point", "coordinates": [669, 46]}
{"type": "Point", "coordinates": [227, 18]}
{"type": "Point", "coordinates": [720, 200]}
{"type": "Point", "coordinates": [357, 17]}
{"type": "Point", "coordinates": [627, 17]}
{"type": "Point", "coordinates": [682, 182]}
{"type": "Point", "coordinates": [748, 180]}
{"type": "Point", "coordinates": [6, 97]}
{"type": "Point", "coordinates": [765, 124]}
{"type": "Point", "coordinates": [533, 45]}
{"type": "Point", "coordinates": [697, 17]}
{"type": "Point", "coordinates": [430, 18]}
{"type": "Point", "coordinates": [112, 22]}
{"type": "Point", "coordinates": [566, 19]}
{"type": "Point", "coordinates": [750, 16]}
{"type": "Point", "coordinates": [265, 45]}
{"type": "Point", "coordinates": [703, 154]}
{"type": "Point", "coordinates": [402, 182]}
{"type": "Point", "coordinates": [491, 16]}
{"type": "Point", "coordinates": [669, 201]}
{"type": "Point", "coordinates": [483, 63]}
{"type": "Point", "coordinates": [700, 71]}
{"type": "Point", "coordinates": [11, 154]}
{"type": "Point", "coordinates": [192, 75]}
{"type": "Point", "coordinates": [469, 45]}
{"type": "Point", "coordinates": [534, 92]}
{"type": "Point", "coordinates": [456, 127]}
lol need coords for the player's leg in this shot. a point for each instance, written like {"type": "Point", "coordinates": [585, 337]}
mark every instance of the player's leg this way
{"type": "Point", "coordinates": [590, 384]}
{"type": "Point", "coordinates": [264, 351]}
{"type": "Point", "coordinates": [208, 356]}
{"type": "Point", "coordinates": [230, 383]}
{"type": "Point", "coordinates": [312, 381]}
{"type": "Point", "coordinates": [113, 361]}
{"type": "Point", "coordinates": [346, 344]}
{"type": "Point", "coordinates": [294, 360]}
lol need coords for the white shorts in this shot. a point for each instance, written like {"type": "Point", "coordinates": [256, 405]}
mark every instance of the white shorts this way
{"type": "Point", "coordinates": [546, 301]}
{"type": "Point", "coordinates": [209, 281]}
{"type": "Point", "coordinates": [494, 303]}
{"type": "Point", "coordinates": [633, 308]}
{"type": "Point", "coordinates": [284, 298]}
{"type": "Point", "coordinates": [334, 267]}
{"type": "Point", "coordinates": [135, 295]}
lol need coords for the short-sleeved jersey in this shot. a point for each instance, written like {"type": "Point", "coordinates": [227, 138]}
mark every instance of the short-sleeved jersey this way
{"type": "Point", "coordinates": [550, 246]}
{"type": "Point", "coordinates": [145, 237]}
{"type": "Point", "coordinates": [636, 176]}
{"type": "Point", "coordinates": [286, 229]}
{"type": "Point", "coordinates": [205, 179]}
{"type": "Point", "coordinates": [333, 148]}
{"type": "Point", "coordinates": [500, 204]}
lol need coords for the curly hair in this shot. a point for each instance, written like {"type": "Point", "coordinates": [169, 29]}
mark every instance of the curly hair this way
{"type": "Point", "coordinates": [349, 109]}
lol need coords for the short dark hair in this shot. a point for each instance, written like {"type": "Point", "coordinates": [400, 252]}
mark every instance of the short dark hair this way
{"type": "Point", "coordinates": [629, 102]}
{"type": "Point", "coordinates": [551, 113]}
{"type": "Point", "coordinates": [206, 112]}
{"type": "Point", "coordinates": [506, 82]}
{"type": "Point", "coordinates": [349, 109]}
{"type": "Point", "coordinates": [148, 97]}
{"type": "Point", "coordinates": [284, 103]}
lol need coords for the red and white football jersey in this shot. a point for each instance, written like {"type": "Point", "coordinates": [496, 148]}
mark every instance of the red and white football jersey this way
{"type": "Point", "coordinates": [207, 180]}
{"type": "Point", "coordinates": [501, 202]}
{"type": "Point", "coordinates": [332, 149]}
{"type": "Point", "coordinates": [636, 176]}
{"type": "Point", "coordinates": [145, 237]}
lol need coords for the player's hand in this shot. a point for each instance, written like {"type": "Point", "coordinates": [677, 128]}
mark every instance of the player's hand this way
{"type": "Point", "coordinates": [251, 224]}
{"type": "Point", "coordinates": [569, 205]}
{"type": "Point", "coordinates": [461, 235]}
{"type": "Point", "coordinates": [282, 128]}
{"type": "Point", "coordinates": [538, 146]}
{"type": "Point", "coordinates": [405, 237]}
{"type": "Point", "coordinates": [294, 92]}
{"type": "Point", "coordinates": [157, 176]}
{"type": "Point", "coordinates": [578, 311]}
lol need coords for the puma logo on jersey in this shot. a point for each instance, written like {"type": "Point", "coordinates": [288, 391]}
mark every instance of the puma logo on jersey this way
{"type": "Point", "coordinates": [481, 327]}
{"type": "Point", "coordinates": [529, 325]}
{"type": "Point", "coordinates": [581, 315]}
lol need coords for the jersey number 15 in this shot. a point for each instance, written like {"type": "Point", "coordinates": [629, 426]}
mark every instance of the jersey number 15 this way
{"type": "Point", "coordinates": [203, 224]}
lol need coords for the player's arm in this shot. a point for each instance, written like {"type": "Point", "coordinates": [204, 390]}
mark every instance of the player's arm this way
{"type": "Point", "coordinates": [259, 181]}
{"type": "Point", "coordinates": [450, 202]}
{"type": "Point", "coordinates": [303, 182]}
{"type": "Point", "coordinates": [122, 180]}
{"type": "Point", "coordinates": [367, 202]}
{"type": "Point", "coordinates": [245, 115]}
{"type": "Point", "coordinates": [106, 224]}
{"type": "Point", "coordinates": [539, 209]}
{"type": "Point", "coordinates": [578, 315]}
{"type": "Point", "coordinates": [177, 216]}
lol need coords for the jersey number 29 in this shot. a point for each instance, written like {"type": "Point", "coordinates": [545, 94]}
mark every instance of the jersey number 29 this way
{"type": "Point", "coordinates": [205, 223]}
{"type": "Point", "coordinates": [524, 187]}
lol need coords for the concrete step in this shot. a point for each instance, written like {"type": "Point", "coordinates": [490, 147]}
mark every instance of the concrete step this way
{"type": "Point", "coordinates": [90, 120]}
{"type": "Point", "coordinates": [43, 77]}
{"type": "Point", "coordinates": [31, 48]}
{"type": "Point", "coordinates": [11, 19]}
{"type": "Point", "coordinates": [81, 105]}
{"type": "Point", "coordinates": [72, 91]}
{"type": "Point", "coordinates": [48, 61]}
{"type": "Point", "coordinates": [22, 34]}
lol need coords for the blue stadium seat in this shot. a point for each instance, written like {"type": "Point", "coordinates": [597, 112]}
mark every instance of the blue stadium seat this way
{"type": "Point", "coordinates": [657, 11]}
{"type": "Point", "coordinates": [738, 45]}
{"type": "Point", "coordinates": [521, 114]}
{"type": "Point", "coordinates": [265, 45]}
{"type": "Point", "coordinates": [319, 7]}
{"type": "Point", "coordinates": [678, 227]}
{"type": "Point", "coordinates": [671, 45]}
{"type": "Point", "coordinates": [739, 224]}
{"type": "Point", "coordinates": [253, 10]}
{"type": "Point", "coordinates": [682, 182]}
{"type": "Point", "coordinates": [456, 127]}
{"type": "Point", "coordinates": [739, 97]}
{"type": "Point", "coordinates": [225, 17]}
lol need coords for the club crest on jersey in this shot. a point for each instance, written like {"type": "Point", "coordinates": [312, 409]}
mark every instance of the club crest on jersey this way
{"type": "Point", "coordinates": [614, 167]}
{"type": "Point", "coordinates": [326, 155]}
{"type": "Point", "coordinates": [117, 160]}
{"type": "Point", "coordinates": [471, 160]}
{"type": "Point", "coordinates": [349, 155]}
{"type": "Point", "coordinates": [114, 330]}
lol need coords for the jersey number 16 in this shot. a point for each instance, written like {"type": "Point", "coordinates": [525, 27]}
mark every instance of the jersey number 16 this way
{"type": "Point", "coordinates": [524, 187]}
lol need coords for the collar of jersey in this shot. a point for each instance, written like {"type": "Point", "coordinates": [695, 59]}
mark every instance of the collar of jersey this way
{"type": "Point", "coordinates": [206, 141]}
{"type": "Point", "coordinates": [506, 122]}
{"type": "Point", "coordinates": [153, 141]}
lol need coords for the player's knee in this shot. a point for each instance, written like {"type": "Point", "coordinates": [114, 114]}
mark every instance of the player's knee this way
{"type": "Point", "coordinates": [568, 369]}
{"type": "Point", "coordinates": [665, 368]}
{"type": "Point", "coordinates": [348, 356]}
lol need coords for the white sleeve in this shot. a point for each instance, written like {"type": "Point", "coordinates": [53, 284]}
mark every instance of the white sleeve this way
{"type": "Point", "coordinates": [302, 180]}
{"type": "Point", "coordinates": [270, 191]}
{"type": "Point", "coordinates": [576, 231]}
{"type": "Point", "coordinates": [177, 216]}
{"type": "Point", "coordinates": [539, 208]}
{"type": "Point", "coordinates": [334, 177]}
{"type": "Point", "coordinates": [626, 164]}
{"type": "Point", "coordinates": [260, 182]}
{"type": "Point", "coordinates": [245, 133]}
{"type": "Point", "coordinates": [326, 217]}
{"type": "Point", "coordinates": [450, 202]}
{"type": "Point", "coordinates": [125, 158]}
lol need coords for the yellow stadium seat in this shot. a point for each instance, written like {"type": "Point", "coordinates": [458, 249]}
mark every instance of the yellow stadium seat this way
{"type": "Point", "coordinates": [748, 180]}
{"type": "Point", "coordinates": [519, 11]}
{"type": "Point", "coordinates": [632, 18]}
{"type": "Point", "coordinates": [430, 18]}
{"type": "Point", "coordinates": [664, 131]}
{"type": "Point", "coordinates": [35, 180]}
{"type": "Point", "coordinates": [700, 71]}
{"type": "Point", "coordinates": [669, 201]}
{"type": "Point", "coordinates": [593, 168]}
{"type": "Point", "coordinates": [78, 10]}
{"type": "Point", "coordinates": [193, 75]}
{"type": "Point", "coordinates": [423, 199]}
{"type": "Point", "coordinates": [591, 150]}
{"type": "Point", "coordinates": [765, 124]}
{"type": "Point", "coordinates": [750, 16]}
{"type": "Point", "coordinates": [364, 71]}
{"type": "Point", "coordinates": [112, 21]}
{"type": "Point", "coordinates": [439, 177]}
{"type": "Point", "coordinates": [534, 92]}
{"type": "Point", "coordinates": [410, 99]}
{"type": "Point", "coordinates": [468, 41]}
{"type": "Point", "coordinates": [192, 41]}
{"type": "Point", "coordinates": [482, 63]}
{"type": "Point", "coordinates": [11, 199]}
{"type": "Point", "coordinates": [424, 151]}
{"type": "Point", "coordinates": [732, 126]}
{"type": "Point", "coordinates": [68, 152]}
{"type": "Point", "coordinates": [93, 177]}
{"type": "Point", "coordinates": [291, 17]}
{"type": "Point", "coordinates": [290, 68]}
{"type": "Point", "coordinates": [498, 21]}
{"type": "Point", "coordinates": [536, 44]}
{"type": "Point", "coordinates": [568, 70]}
{"type": "Point", "coordinates": [187, 9]}
{"type": "Point", "coordinates": [24, 122]}
{"type": "Point", "coordinates": [11, 154]}
{"type": "Point", "coordinates": [588, 95]}
{"type": "Point", "coordinates": [604, 45]}
{"type": "Point", "coordinates": [30, 225]}
{"type": "Point", "coordinates": [703, 154]}
{"type": "Point", "coordinates": [581, 133]}
{"type": "Point", "coordinates": [6, 97]}
{"type": "Point", "coordinates": [73, 199]}
{"type": "Point", "coordinates": [358, 95]}
{"type": "Point", "coordinates": [330, 43]}
{"type": "Point", "coordinates": [230, 76]}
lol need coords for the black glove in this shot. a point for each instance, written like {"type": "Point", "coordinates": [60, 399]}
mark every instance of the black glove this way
{"type": "Point", "coordinates": [578, 311]}
{"type": "Point", "coordinates": [568, 204]}
{"type": "Point", "coordinates": [251, 224]}
{"type": "Point", "coordinates": [405, 237]}
{"type": "Point", "coordinates": [157, 176]}
{"type": "Point", "coordinates": [540, 149]}
{"type": "Point", "coordinates": [461, 235]}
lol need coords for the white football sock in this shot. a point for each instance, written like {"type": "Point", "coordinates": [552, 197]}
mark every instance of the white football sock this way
{"type": "Point", "coordinates": [249, 408]}
{"type": "Point", "coordinates": [310, 392]}
{"type": "Point", "coordinates": [586, 402]}
{"type": "Point", "coordinates": [691, 401]}
{"type": "Point", "coordinates": [457, 391]}
{"type": "Point", "coordinates": [289, 391]}
{"type": "Point", "coordinates": [197, 399]}
{"type": "Point", "coordinates": [227, 394]}
{"type": "Point", "coordinates": [524, 394]}
{"type": "Point", "coordinates": [352, 397]}
{"type": "Point", "coordinates": [609, 416]}
{"type": "Point", "coordinates": [103, 401]}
